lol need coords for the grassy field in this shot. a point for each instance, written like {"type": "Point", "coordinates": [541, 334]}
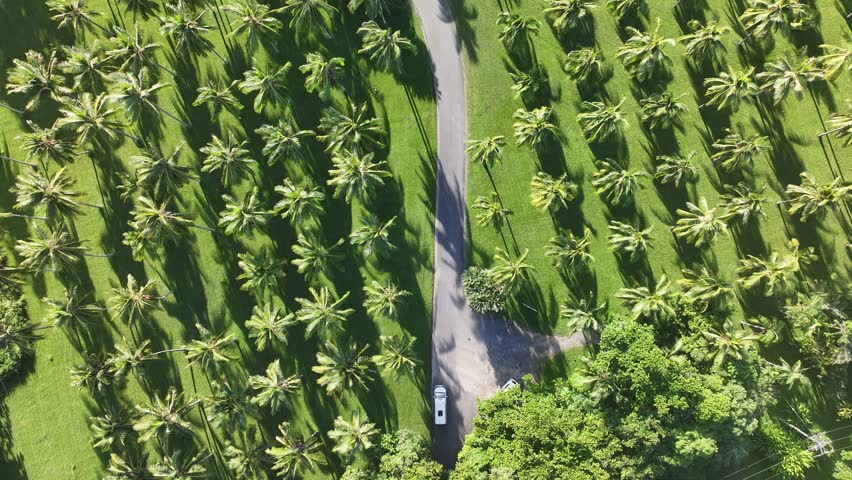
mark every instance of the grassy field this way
{"type": "Point", "coordinates": [48, 419]}
{"type": "Point", "coordinates": [792, 129]}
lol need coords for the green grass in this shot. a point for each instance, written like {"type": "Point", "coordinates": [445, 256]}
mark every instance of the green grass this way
{"type": "Point", "coordinates": [563, 365]}
{"type": "Point", "coordinates": [48, 418]}
{"type": "Point", "coordinates": [791, 127]}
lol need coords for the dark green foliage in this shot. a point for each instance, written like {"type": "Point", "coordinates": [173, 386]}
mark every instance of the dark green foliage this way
{"type": "Point", "coordinates": [15, 336]}
{"type": "Point", "coordinates": [483, 294]}
{"type": "Point", "coordinates": [402, 455]}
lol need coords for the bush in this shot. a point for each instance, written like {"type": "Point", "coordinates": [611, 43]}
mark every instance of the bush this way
{"type": "Point", "coordinates": [13, 317]}
{"type": "Point", "coordinates": [483, 294]}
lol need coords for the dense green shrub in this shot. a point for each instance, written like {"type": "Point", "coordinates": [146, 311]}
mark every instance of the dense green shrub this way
{"type": "Point", "coordinates": [14, 345]}
{"type": "Point", "coordinates": [402, 455]}
{"type": "Point", "coordinates": [483, 294]}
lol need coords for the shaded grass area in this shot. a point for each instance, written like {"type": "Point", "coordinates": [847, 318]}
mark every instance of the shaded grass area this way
{"type": "Point", "coordinates": [48, 419]}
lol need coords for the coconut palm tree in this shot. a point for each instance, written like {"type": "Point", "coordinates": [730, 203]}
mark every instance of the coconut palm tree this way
{"type": "Point", "coordinates": [599, 121]}
{"type": "Point", "coordinates": [87, 67]}
{"type": "Point", "coordinates": [261, 272]}
{"type": "Point", "coordinates": [772, 272]}
{"type": "Point", "coordinates": [841, 125]}
{"type": "Point", "coordinates": [615, 184]}
{"type": "Point", "coordinates": [323, 313]}
{"type": "Point", "coordinates": [136, 94]}
{"type": "Point", "coordinates": [185, 466]}
{"type": "Point", "coordinates": [398, 356]}
{"type": "Point", "coordinates": [46, 145]}
{"type": "Point", "coordinates": [156, 221]}
{"type": "Point", "coordinates": [314, 258]}
{"type": "Point", "coordinates": [293, 454]}
{"type": "Point", "coordinates": [163, 416]}
{"type": "Point", "coordinates": [730, 88]}
{"type": "Point", "coordinates": [493, 212]}
{"type": "Point", "coordinates": [375, 9]}
{"type": "Point", "coordinates": [646, 303]}
{"type": "Point", "coordinates": [209, 350]}
{"type": "Point", "coordinates": [239, 218]}
{"type": "Point", "coordinates": [131, 52]}
{"type": "Point", "coordinates": [622, 9]}
{"type": "Point", "coordinates": [583, 64]}
{"type": "Point", "coordinates": [356, 175]}
{"type": "Point", "coordinates": [570, 251]}
{"type": "Point", "coordinates": [268, 84]}
{"type": "Point", "coordinates": [273, 390]}
{"type": "Point", "coordinates": [527, 84]}
{"type": "Point", "coordinates": [743, 203]}
{"type": "Point", "coordinates": [310, 15]}
{"type": "Point", "coordinates": [508, 272]}
{"type": "Point", "coordinates": [835, 60]}
{"type": "Point", "coordinates": [322, 75]}
{"type": "Point", "coordinates": [731, 342]}
{"type": "Point", "coordinates": [812, 199]}
{"type": "Point", "coordinates": [549, 193]}
{"type": "Point", "coordinates": [662, 110]}
{"type": "Point", "coordinates": [161, 175]}
{"type": "Point", "coordinates": [792, 375]}
{"type": "Point", "coordinates": [352, 437]}
{"type": "Point", "coordinates": [567, 15]}
{"type": "Point", "coordinates": [704, 42]}
{"type": "Point", "coordinates": [17, 339]}
{"type": "Point", "coordinates": [133, 465]}
{"type": "Point", "coordinates": [676, 169]}
{"type": "Point", "coordinates": [268, 326]}
{"type": "Point", "coordinates": [56, 194]}
{"type": "Point", "coordinates": [517, 32]}
{"type": "Point", "coordinates": [231, 158]}
{"type": "Point", "coordinates": [736, 153]}
{"type": "Point", "coordinates": [92, 119]}
{"type": "Point", "coordinates": [95, 373]}
{"type": "Point", "coordinates": [384, 47]}
{"type": "Point", "coordinates": [533, 126]}
{"type": "Point", "coordinates": [132, 302]}
{"type": "Point", "coordinates": [130, 357]}
{"type": "Point", "coordinates": [248, 461]}
{"type": "Point", "coordinates": [299, 202]}
{"type": "Point", "coordinates": [628, 240]}
{"type": "Point", "coordinates": [187, 30]}
{"type": "Point", "coordinates": [55, 250]}
{"type": "Point", "coordinates": [112, 429]}
{"type": "Point", "coordinates": [764, 16]}
{"type": "Point", "coordinates": [254, 18]}
{"type": "Point", "coordinates": [342, 367]}
{"type": "Point", "coordinates": [789, 74]}
{"type": "Point", "coordinates": [699, 224]}
{"type": "Point", "coordinates": [284, 141]}
{"type": "Point", "coordinates": [352, 130]}
{"type": "Point", "coordinates": [373, 235]}
{"type": "Point", "coordinates": [37, 78]}
{"type": "Point", "coordinates": [75, 15]}
{"type": "Point", "coordinates": [486, 151]}
{"type": "Point", "coordinates": [582, 316]}
{"type": "Point", "coordinates": [643, 53]}
{"type": "Point", "coordinates": [384, 300]}
{"type": "Point", "coordinates": [228, 407]}
{"type": "Point", "coordinates": [703, 287]}
{"type": "Point", "coordinates": [72, 312]}
{"type": "Point", "coordinates": [219, 94]}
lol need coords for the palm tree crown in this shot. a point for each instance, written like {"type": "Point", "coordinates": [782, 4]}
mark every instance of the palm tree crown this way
{"type": "Point", "coordinates": [643, 54]}
{"type": "Point", "coordinates": [384, 47]}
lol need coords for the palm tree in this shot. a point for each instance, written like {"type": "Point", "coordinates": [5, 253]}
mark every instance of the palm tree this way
{"type": "Point", "coordinates": [703, 286]}
{"type": "Point", "coordinates": [220, 95]}
{"type": "Point", "coordinates": [268, 326]}
{"type": "Point", "coordinates": [643, 302]}
{"type": "Point", "coordinates": [835, 60]}
{"type": "Point", "coordinates": [599, 121]}
{"type": "Point", "coordinates": [772, 272]}
{"type": "Point", "coordinates": [283, 141]}
{"type": "Point", "coordinates": [699, 224]}
{"type": "Point", "coordinates": [676, 169]}
{"type": "Point", "coordinates": [294, 454]}
{"type": "Point", "coordinates": [570, 251]}
{"type": "Point", "coordinates": [384, 47]}
{"type": "Point", "coordinates": [642, 53]}
{"type": "Point", "coordinates": [131, 466]}
{"type": "Point", "coordinates": [581, 316]}
{"type": "Point", "coordinates": [269, 85]}
{"type": "Point", "coordinates": [567, 15]}
{"type": "Point", "coordinates": [344, 367]}
{"type": "Point", "coordinates": [176, 464]}
{"type": "Point", "coordinates": [743, 203]}
{"type": "Point", "coordinates": [486, 151]}
{"type": "Point", "coordinates": [310, 15]}
{"type": "Point", "coordinates": [626, 8]}
{"type": "Point", "coordinates": [841, 125]}
{"type": "Point", "coordinates": [86, 67]}
{"type": "Point", "coordinates": [662, 110]}
{"type": "Point", "coordinates": [375, 9]}
{"type": "Point", "coordinates": [187, 30]}
{"type": "Point", "coordinates": [56, 194]}
{"type": "Point", "coordinates": [493, 212]}
{"type": "Point", "coordinates": [55, 250]}
{"type": "Point", "coordinates": [356, 175]}
{"type": "Point", "coordinates": [764, 16]}
{"type": "Point", "coordinates": [793, 376]}
{"type": "Point", "coordinates": [72, 312]}
{"type": "Point", "coordinates": [811, 199]}
{"type": "Point", "coordinates": [397, 355]}
{"type": "Point", "coordinates": [615, 184]}
{"type": "Point", "coordinates": [161, 175]}
{"type": "Point", "coordinates": [323, 313]}
{"type": "Point", "coordinates": [74, 14]}
{"type": "Point", "coordinates": [533, 126]}
{"type": "Point", "coordinates": [789, 74]}
{"type": "Point", "coordinates": [133, 302]}
{"type": "Point", "coordinates": [509, 273]}
{"type": "Point", "coordinates": [550, 193]}
{"type": "Point", "coordinates": [373, 236]}
{"type": "Point", "coordinates": [36, 77]}
{"type": "Point", "coordinates": [239, 218]}
{"type": "Point", "coordinates": [256, 18]}
{"type": "Point", "coordinates": [230, 158]}
{"type": "Point", "coordinates": [95, 373]}
{"type": "Point", "coordinates": [729, 342]}
{"type": "Point", "coordinates": [135, 94]}
{"type": "Point", "coordinates": [384, 300]}
{"type": "Point", "coordinates": [314, 258]}
{"type": "Point", "coordinates": [352, 437]}
{"type": "Point", "coordinates": [736, 153]}
{"type": "Point", "coordinates": [156, 221]}
{"type": "Point", "coordinates": [92, 119]}
{"type": "Point", "coordinates": [46, 145]}
{"type": "Point", "coordinates": [163, 416]}
{"type": "Point", "coordinates": [352, 131]}
{"type": "Point", "coordinates": [628, 240]}
{"type": "Point", "coordinates": [261, 272]}
{"type": "Point", "coordinates": [228, 407]}
{"type": "Point", "coordinates": [209, 350]}
{"type": "Point", "coordinates": [132, 52]}
{"type": "Point", "coordinates": [517, 31]}
{"type": "Point", "coordinates": [730, 88]}
{"type": "Point", "coordinates": [322, 75]}
{"type": "Point", "coordinates": [273, 389]}
{"type": "Point", "coordinates": [583, 64]}
{"type": "Point", "coordinates": [299, 202]}
{"type": "Point", "coordinates": [248, 461]}
{"type": "Point", "coordinates": [526, 85]}
{"type": "Point", "coordinates": [112, 429]}
{"type": "Point", "coordinates": [705, 41]}
{"type": "Point", "coordinates": [128, 357]}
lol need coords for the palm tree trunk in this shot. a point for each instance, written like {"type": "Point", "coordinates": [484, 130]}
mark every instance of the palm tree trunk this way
{"type": "Point", "coordinates": [200, 227]}
{"type": "Point", "coordinates": [136, 140]}
{"type": "Point", "coordinates": [219, 55]}
{"type": "Point", "coordinates": [19, 215]}
{"type": "Point", "coordinates": [174, 117]}
{"type": "Point", "coordinates": [102, 28]}
{"type": "Point", "coordinates": [11, 108]}
{"type": "Point", "coordinates": [162, 67]}
{"type": "Point", "coordinates": [21, 162]}
{"type": "Point", "coordinates": [746, 37]}
{"type": "Point", "coordinates": [829, 132]}
{"type": "Point", "coordinates": [91, 205]}
{"type": "Point", "coordinates": [99, 255]}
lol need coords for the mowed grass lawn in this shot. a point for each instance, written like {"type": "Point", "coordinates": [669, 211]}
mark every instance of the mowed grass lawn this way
{"type": "Point", "coordinates": [49, 419]}
{"type": "Point", "coordinates": [792, 128]}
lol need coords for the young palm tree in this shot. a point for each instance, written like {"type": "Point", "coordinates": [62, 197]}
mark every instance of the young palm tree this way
{"type": "Point", "coordinates": [703, 287]}
{"type": "Point", "coordinates": [743, 203]}
{"type": "Point", "coordinates": [160, 175]}
{"type": "Point", "coordinates": [567, 15]}
{"type": "Point", "coordinates": [56, 194]}
{"type": "Point", "coordinates": [352, 437]}
{"type": "Point", "coordinates": [841, 125]}
{"type": "Point", "coordinates": [373, 236]}
{"type": "Point", "coordinates": [676, 169]}
{"type": "Point", "coordinates": [643, 55]}
{"type": "Point", "coordinates": [135, 94]}
{"type": "Point", "coordinates": [273, 389]}
{"type": "Point", "coordinates": [731, 342]}
{"type": "Point", "coordinates": [533, 126]}
{"type": "Point", "coordinates": [599, 121]}
{"type": "Point", "coordinates": [662, 110]}
{"type": "Point", "coordinates": [310, 15]}
{"type": "Point", "coordinates": [615, 184]}
{"type": "Point", "coordinates": [261, 272]}
{"type": "Point", "coordinates": [322, 75]}
{"type": "Point", "coordinates": [187, 30]}
{"type": "Point", "coordinates": [384, 47]}
{"type": "Point", "coordinates": [583, 64]}
{"type": "Point", "coordinates": [790, 73]}
{"type": "Point", "coordinates": [384, 300]}
{"type": "Point", "coordinates": [268, 326]}
{"type": "Point", "coordinates": [487, 151]}
{"type": "Point", "coordinates": [112, 429]}
{"type": "Point", "coordinates": [705, 41]}
{"type": "Point", "coordinates": [219, 94]}
{"type": "Point", "coordinates": [344, 367]}
{"type": "Point", "coordinates": [299, 202]}
{"type": "Point", "coordinates": [239, 218]}
{"type": "Point", "coordinates": [699, 224]}
{"type": "Point", "coordinates": [74, 14]}
{"type": "Point", "coordinates": [493, 212]}
{"type": "Point", "coordinates": [209, 350]}
{"type": "Point", "coordinates": [293, 454]}
{"type": "Point", "coordinates": [268, 85]}
{"type": "Point", "coordinates": [626, 8]}
{"type": "Point", "coordinates": [398, 356]}
{"type": "Point", "coordinates": [517, 31]}
{"type": "Point", "coordinates": [284, 141]}
{"type": "Point", "coordinates": [352, 130]}
{"type": "Point", "coordinates": [72, 312]}
{"type": "Point", "coordinates": [375, 9]}
{"type": "Point", "coordinates": [47, 145]}
{"type": "Point", "coordinates": [314, 258]}
{"type": "Point", "coordinates": [323, 314]}
{"type": "Point", "coordinates": [509, 273]}
{"type": "Point", "coordinates": [811, 199]}
{"type": "Point", "coordinates": [163, 416]}
{"type": "Point", "coordinates": [254, 18]}
{"type": "Point", "coordinates": [569, 251]}
{"type": "Point", "coordinates": [87, 68]}
{"type": "Point", "coordinates": [835, 60]}
{"type": "Point", "coordinates": [177, 464]}
{"type": "Point", "coordinates": [131, 52]}
{"type": "Point", "coordinates": [730, 88]}
{"type": "Point", "coordinates": [550, 193]}
{"type": "Point", "coordinates": [55, 250]}
{"type": "Point", "coordinates": [133, 302]}
{"type": "Point", "coordinates": [736, 153]}
{"type": "Point", "coordinates": [581, 316]}
{"type": "Point", "coordinates": [37, 78]}
{"type": "Point", "coordinates": [230, 158]}
{"type": "Point", "coordinates": [356, 175]}
{"type": "Point", "coordinates": [643, 302]}
{"type": "Point", "coordinates": [764, 16]}
{"type": "Point", "coordinates": [628, 240]}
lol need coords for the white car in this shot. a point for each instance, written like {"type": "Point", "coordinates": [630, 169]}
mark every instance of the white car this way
{"type": "Point", "coordinates": [440, 396]}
